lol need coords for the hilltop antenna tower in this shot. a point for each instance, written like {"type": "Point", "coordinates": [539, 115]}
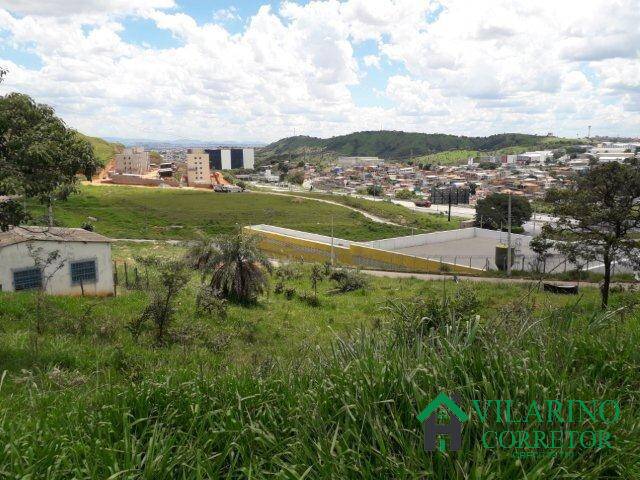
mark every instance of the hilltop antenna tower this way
{"type": "Point", "coordinates": [589, 132]}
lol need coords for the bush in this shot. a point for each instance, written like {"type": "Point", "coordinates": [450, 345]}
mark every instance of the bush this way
{"type": "Point", "coordinates": [209, 303]}
{"type": "Point", "coordinates": [348, 280]}
{"type": "Point", "coordinates": [405, 194]}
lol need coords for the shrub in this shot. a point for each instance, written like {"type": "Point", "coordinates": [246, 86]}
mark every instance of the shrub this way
{"type": "Point", "coordinates": [171, 277]}
{"type": "Point", "coordinates": [234, 266]}
{"type": "Point", "coordinates": [348, 280]}
{"type": "Point", "coordinates": [209, 302]}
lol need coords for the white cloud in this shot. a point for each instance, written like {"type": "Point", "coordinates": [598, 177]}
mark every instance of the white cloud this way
{"type": "Point", "coordinates": [63, 8]}
{"type": "Point", "coordinates": [226, 14]}
{"type": "Point", "coordinates": [449, 66]}
{"type": "Point", "coordinates": [371, 61]}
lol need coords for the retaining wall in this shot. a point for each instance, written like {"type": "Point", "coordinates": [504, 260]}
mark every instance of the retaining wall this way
{"type": "Point", "coordinates": [441, 237]}
{"type": "Point", "coordinates": [295, 245]}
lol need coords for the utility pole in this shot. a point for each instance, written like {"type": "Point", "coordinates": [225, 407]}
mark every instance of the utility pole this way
{"type": "Point", "coordinates": [449, 216]}
{"type": "Point", "coordinates": [509, 238]}
{"type": "Point", "coordinates": [332, 256]}
{"type": "Point", "coordinates": [589, 134]}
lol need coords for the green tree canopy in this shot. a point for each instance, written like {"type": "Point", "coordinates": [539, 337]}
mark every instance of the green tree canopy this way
{"type": "Point", "coordinates": [599, 217]}
{"type": "Point", "coordinates": [492, 211]}
{"type": "Point", "coordinates": [39, 156]}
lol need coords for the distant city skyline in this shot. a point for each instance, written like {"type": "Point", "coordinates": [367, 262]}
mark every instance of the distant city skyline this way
{"type": "Point", "coordinates": [256, 71]}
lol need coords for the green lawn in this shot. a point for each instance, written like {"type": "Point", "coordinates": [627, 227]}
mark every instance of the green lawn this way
{"type": "Point", "coordinates": [452, 157]}
{"type": "Point", "coordinates": [130, 212]}
{"type": "Point", "coordinates": [426, 222]}
{"type": "Point", "coordinates": [103, 150]}
{"type": "Point", "coordinates": [284, 388]}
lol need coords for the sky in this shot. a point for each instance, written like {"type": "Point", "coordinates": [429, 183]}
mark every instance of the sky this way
{"type": "Point", "coordinates": [259, 71]}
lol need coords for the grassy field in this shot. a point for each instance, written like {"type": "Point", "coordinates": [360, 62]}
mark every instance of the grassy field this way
{"type": "Point", "coordinates": [427, 222]}
{"type": "Point", "coordinates": [452, 157]}
{"type": "Point", "coordinates": [103, 150]}
{"type": "Point", "coordinates": [130, 212]}
{"type": "Point", "coordinates": [284, 389]}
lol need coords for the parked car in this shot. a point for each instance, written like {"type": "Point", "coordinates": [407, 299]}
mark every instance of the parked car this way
{"type": "Point", "coordinates": [422, 203]}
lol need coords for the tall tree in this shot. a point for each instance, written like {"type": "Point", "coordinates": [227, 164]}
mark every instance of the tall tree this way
{"type": "Point", "coordinates": [599, 217]}
{"type": "Point", "coordinates": [39, 156]}
{"type": "Point", "coordinates": [492, 212]}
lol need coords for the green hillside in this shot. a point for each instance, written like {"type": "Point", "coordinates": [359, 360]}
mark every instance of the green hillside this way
{"type": "Point", "coordinates": [395, 145]}
{"type": "Point", "coordinates": [103, 150]}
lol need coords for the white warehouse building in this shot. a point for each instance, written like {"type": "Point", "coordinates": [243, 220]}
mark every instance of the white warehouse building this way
{"type": "Point", "coordinates": [82, 264]}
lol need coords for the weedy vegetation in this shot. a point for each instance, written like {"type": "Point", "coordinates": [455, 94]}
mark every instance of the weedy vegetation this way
{"type": "Point", "coordinates": [283, 388]}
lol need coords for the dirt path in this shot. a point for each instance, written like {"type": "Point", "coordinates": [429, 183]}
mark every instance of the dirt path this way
{"type": "Point", "coordinates": [435, 276]}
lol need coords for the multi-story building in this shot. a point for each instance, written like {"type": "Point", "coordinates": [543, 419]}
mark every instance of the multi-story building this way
{"type": "Point", "coordinates": [217, 159]}
{"type": "Point", "coordinates": [133, 160]}
{"type": "Point", "coordinates": [198, 169]}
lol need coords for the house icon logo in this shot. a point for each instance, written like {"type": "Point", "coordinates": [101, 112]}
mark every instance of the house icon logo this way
{"type": "Point", "coordinates": [441, 419]}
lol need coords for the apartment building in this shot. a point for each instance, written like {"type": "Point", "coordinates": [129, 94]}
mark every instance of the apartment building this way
{"type": "Point", "coordinates": [217, 159]}
{"type": "Point", "coordinates": [198, 169]}
{"type": "Point", "coordinates": [133, 161]}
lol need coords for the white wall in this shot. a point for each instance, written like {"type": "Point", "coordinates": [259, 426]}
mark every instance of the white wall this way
{"type": "Point", "coordinates": [15, 257]}
{"type": "Point", "coordinates": [422, 239]}
{"type": "Point", "coordinates": [225, 156]}
{"type": "Point", "coordinates": [247, 158]}
{"type": "Point", "coordinates": [441, 237]}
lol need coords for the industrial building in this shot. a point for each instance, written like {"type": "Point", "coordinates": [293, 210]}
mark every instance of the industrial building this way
{"type": "Point", "coordinates": [133, 160]}
{"type": "Point", "coordinates": [355, 161]}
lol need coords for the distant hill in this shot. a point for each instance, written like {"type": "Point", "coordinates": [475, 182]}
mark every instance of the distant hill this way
{"type": "Point", "coordinates": [394, 145]}
{"type": "Point", "coordinates": [103, 150]}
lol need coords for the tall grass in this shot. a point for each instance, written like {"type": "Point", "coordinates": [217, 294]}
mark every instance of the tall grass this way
{"type": "Point", "coordinates": [347, 411]}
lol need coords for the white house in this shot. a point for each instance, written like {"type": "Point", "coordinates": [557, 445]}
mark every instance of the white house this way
{"type": "Point", "coordinates": [82, 264]}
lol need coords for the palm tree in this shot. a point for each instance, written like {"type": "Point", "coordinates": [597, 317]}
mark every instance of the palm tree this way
{"type": "Point", "coordinates": [235, 266]}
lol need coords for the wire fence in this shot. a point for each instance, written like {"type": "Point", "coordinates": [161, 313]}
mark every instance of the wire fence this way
{"type": "Point", "coordinates": [129, 275]}
{"type": "Point", "coordinates": [553, 264]}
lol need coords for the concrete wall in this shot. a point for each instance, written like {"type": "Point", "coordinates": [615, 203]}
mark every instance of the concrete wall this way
{"type": "Point", "coordinates": [225, 156]}
{"type": "Point", "coordinates": [296, 245]}
{"type": "Point", "coordinates": [118, 179]}
{"type": "Point", "coordinates": [422, 239]}
{"type": "Point", "coordinates": [496, 235]}
{"type": "Point", "coordinates": [247, 158]}
{"type": "Point", "coordinates": [441, 237]}
{"type": "Point", "coordinates": [15, 257]}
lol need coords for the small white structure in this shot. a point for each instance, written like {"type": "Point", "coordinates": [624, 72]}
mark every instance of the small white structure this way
{"type": "Point", "coordinates": [83, 264]}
